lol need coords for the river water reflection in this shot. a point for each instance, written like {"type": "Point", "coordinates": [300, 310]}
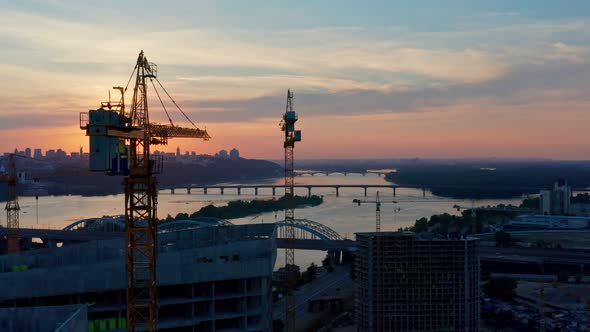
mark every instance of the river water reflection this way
{"type": "Point", "coordinates": [338, 213]}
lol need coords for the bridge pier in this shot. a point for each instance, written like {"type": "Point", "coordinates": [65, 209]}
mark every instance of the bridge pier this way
{"type": "Point", "coordinates": [394, 191]}
{"type": "Point", "coordinates": [256, 191]}
{"type": "Point", "coordinates": [423, 192]}
{"type": "Point", "coordinates": [239, 190]}
{"type": "Point", "coordinates": [308, 191]}
{"type": "Point", "coordinates": [172, 191]}
{"type": "Point", "coordinates": [337, 191]}
{"type": "Point", "coordinates": [345, 173]}
{"type": "Point", "coordinates": [221, 190]}
{"type": "Point", "coordinates": [188, 190]}
{"type": "Point", "coordinates": [205, 190]}
{"type": "Point", "coordinates": [274, 191]}
{"type": "Point", "coordinates": [365, 191]}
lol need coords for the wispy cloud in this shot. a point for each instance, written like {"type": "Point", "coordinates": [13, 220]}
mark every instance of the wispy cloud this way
{"type": "Point", "coordinates": [56, 62]}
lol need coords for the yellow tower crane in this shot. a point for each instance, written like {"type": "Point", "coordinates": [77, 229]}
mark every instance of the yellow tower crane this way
{"type": "Point", "coordinates": [120, 143]}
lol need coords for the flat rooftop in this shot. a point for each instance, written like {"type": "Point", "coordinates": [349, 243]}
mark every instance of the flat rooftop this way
{"type": "Point", "coordinates": [184, 257]}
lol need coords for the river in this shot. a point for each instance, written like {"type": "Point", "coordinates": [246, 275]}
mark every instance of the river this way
{"type": "Point", "coordinates": [338, 213]}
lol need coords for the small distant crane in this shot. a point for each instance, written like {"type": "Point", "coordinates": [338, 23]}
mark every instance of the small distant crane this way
{"type": "Point", "coordinates": [379, 261]}
{"type": "Point", "coordinates": [12, 207]}
{"type": "Point", "coordinates": [378, 323]}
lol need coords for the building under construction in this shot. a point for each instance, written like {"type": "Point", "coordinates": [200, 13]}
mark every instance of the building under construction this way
{"type": "Point", "coordinates": [209, 279]}
{"type": "Point", "coordinates": [425, 284]}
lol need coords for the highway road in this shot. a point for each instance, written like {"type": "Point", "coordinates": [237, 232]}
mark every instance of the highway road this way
{"type": "Point", "coordinates": [322, 286]}
{"type": "Point", "coordinates": [534, 255]}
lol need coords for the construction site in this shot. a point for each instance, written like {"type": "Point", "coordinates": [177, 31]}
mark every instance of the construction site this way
{"type": "Point", "coordinates": [192, 275]}
{"type": "Point", "coordinates": [209, 279]}
{"type": "Point", "coordinates": [407, 283]}
{"type": "Point", "coordinates": [196, 278]}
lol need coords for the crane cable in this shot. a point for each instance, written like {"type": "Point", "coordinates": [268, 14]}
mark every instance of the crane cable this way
{"type": "Point", "coordinates": [161, 102]}
{"type": "Point", "coordinates": [175, 104]}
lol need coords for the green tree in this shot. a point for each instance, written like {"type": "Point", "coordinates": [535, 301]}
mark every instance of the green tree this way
{"type": "Point", "coordinates": [421, 225]}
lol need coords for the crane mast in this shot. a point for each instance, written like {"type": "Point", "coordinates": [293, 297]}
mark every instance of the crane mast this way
{"type": "Point", "coordinates": [12, 207]}
{"type": "Point", "coordinates": [141, 214]}
{"type": "Point", "coordinates": [110, 128]}
{"type": "Point", "coordinates": [291, 136]}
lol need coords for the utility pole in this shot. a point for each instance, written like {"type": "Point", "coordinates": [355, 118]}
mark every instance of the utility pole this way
{"type": "Point", "coordinates": [291, 136]}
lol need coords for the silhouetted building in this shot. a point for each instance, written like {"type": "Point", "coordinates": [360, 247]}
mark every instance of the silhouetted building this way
{"type": "Point", "coordinates": [234, 154]}
{"type": "Point", "coordinates": [50, 154]}
{"type": "Point", "coordinates": [407, 283]}
{"type": "Point", "coordinates": [28, 152]}
{"type": "Point", "coordinates": [222, 154]}
{"type": "Point", "coordinates": [60, 154]}
{"type": "Point", "coordinates": [38, 154]}
{"type": "Point", "coordinates": [557, 200]}
{"type": "Point", "coordinates": [178, 151]}
{"type": "Point", "coordinates": [209, 278]}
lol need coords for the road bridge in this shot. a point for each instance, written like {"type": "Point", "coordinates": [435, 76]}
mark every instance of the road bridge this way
{"type": "Point", "coordinates": [237, 188]}
{"type": "Point", "coordinates": [206, 189]}
{"type": "Point", "coordinates": [345, 173]}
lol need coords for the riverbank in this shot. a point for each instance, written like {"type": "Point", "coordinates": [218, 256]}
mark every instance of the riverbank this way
{"type": "Point", "coordinates": [490, 179]}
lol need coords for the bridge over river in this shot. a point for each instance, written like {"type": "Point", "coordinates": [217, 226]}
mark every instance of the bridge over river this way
{"type": "Point", "coordinates": [311, 235]}
{"type": "Point", "coordinates": [205, 189]}
{"type": "Point", "coordinates": [256, 188]}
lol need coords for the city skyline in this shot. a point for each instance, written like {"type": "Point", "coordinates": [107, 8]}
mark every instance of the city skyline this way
{"type": "Point", "coordinates": [371, 80]}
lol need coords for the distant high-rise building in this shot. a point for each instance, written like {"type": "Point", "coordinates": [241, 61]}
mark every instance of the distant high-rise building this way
{"type": "Point", "coordinates": [222, 154]}
{"type": "Point", "coordinates": [28, 152]}
{"type": "Point", "coordinates": [81, 151]}
{"type": "Point", "coordinates": [556, 201]}
{"type": "Point", "coordinates": [545, 202]}
{"type": "Point", "coordinates": [50, 154]}
{"type": "Point", "coordinates": [234, 154]}
{"type": "Point", "coordinates": [38, 154]}
{"type": "Point", "coordinates": [61, 154]}
{"type": "Point", "coordinates": [407, 283]}
{"type": "Point", "coordinates": [178, 151]}
{"type": "Point", "coordinates": [193, 154]}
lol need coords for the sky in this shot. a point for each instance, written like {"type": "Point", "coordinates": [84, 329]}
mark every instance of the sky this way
{"type": "Point", "coordinates": [371, 79]}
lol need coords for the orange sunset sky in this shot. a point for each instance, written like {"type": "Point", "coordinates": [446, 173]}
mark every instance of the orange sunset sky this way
{"type": "Point", "coordinates": [377, 79]}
